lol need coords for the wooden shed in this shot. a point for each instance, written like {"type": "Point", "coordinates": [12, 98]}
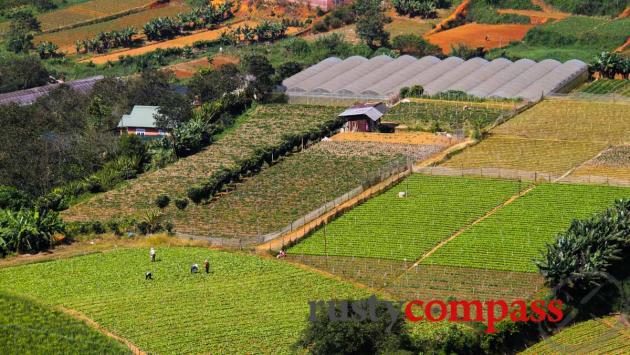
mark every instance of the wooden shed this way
{"type": "Point", "coordinates": [363, 117]}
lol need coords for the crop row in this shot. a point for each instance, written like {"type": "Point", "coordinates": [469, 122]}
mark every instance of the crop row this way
{"type": "Point", "coordinates": [27, 327]}
{"type": "Point", "coordinates": [444, 115]}
{"type": "Point", "coordinates": [87, 11]}
{"type": "Point", "coordinates": [265, 131]}
{"type": "Point", "coordinates": [613, 163]}
{"type": "Point", "coordinates": [392, 227]}
{"type": "Point", "coordinates": [245, 303]}
{"type": "Point", "coordinates": [603, 86]}
{"type": "Point", "coordinates": [518, 232]}
{"type": "Point", "coordinates": [572, 120]}
{"type": "Point", "coordinates": [295, 186]}
{"type": "Point", "coordinates": [67, 38]}
{"type": "Point", "coordinates": [596, 336]}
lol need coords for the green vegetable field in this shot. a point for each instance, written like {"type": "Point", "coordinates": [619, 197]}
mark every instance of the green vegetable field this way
{"type": "Point", "coordinates": [515, 234]}
{"type": "Point", "coordinates": [603, 86]}
{"type": "Point", "coordinates": [27, 327]}
{"type": "Point", "coordinates": [264, 128]}
{"type": "Point", "coordinates": [448, 115]}
{"type": "Point", "coordinates": [405, 228]}
{"type": "Point", "coordinates": [596, 336]}
{"type": "Point", "coordinates": [246, 305]}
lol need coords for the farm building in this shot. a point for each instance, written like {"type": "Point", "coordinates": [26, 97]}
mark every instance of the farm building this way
{"type": "Point", "coordinates": [382, 77]}
{"type": "Point", "coordinates": [363, 117]}
{"type": "Point", "coordinates": [28, 96]}
{"type": "Point", "coordinates": [141, 122]}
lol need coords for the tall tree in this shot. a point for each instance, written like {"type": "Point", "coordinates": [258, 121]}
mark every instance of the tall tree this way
{"type": "Point", "coordinates": [262, 75]}
{"type": "Point", "coordinates": [371, 23]}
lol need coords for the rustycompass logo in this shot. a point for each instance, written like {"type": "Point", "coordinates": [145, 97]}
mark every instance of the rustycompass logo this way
{"type": "Point", "coordinates": [488, 312]}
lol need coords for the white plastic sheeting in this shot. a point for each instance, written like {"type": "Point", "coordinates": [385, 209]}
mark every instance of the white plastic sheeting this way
{"type": "Point", "coordinates": [480, 75]}
{"type": "Point", "coordinates": [352, 75]}
{"type": "Point", "coordinates": [391, 81]}
{"type": "Point", "coordinates": [462, 70]}
{"type": "Point", "coordinates": [310, 71]}
{"type": "Point", "coordinates": [525, 79]}
{"type": "Point", "coordinates": [383, 76]}
{"type": "Point", "coordinates": [328, 74]}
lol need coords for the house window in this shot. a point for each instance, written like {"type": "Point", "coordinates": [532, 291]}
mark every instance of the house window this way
{"type": "Point", "coordinates": [140, 131]}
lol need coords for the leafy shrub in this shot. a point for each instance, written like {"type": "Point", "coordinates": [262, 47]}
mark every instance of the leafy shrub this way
{"type": "Point", "coordinates": [162, 201]}
{"type": "Point", "coordinates": [591, 7]}
{"type": "Point", "coordinates": [415, 45]}
{"type": "Point", "coordinates": [181, 203]}
{"type": "Point", "coordinates": [12, 198]}
{"type": "Point", "coordinates": [27, 231]}
{"type": "Point", "coordinates": [421, 8]}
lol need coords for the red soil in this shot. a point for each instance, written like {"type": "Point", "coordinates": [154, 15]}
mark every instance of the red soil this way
{"type": "Point", "coordinates": [460, 12]}
{"type": "Point", "coordinates": [478, 35]}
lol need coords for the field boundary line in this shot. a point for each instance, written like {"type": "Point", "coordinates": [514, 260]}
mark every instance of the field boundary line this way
{"type": "Point", "coordinates": [570, 171]}
{"type": "Point", "coordinates": [475, 222]}
{"type": "Point", "coordinates": [446, 154]}
{"type": "Point", "coordinates": [299, 233]}
{"type": "Point", "coordinates": [623, 331]}
{"type": "Point", "coordinates": [93, 324]}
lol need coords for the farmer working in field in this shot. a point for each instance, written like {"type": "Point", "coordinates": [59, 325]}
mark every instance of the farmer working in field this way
{"type": "Point", "coordinates": [152, 253]}
{"type": "Point", "coordinates": [206, 265]}
{"type": "Point", "coordinates": [148, 275]}
{"type": "Point", "coordinates": [194, 268]}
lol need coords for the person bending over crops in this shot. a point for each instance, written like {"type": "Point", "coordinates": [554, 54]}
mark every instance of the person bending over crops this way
{"type": "Point", "coordinates": [281, 254]}
{"type": "Point", "coordinates": [148, 275]}
{"type": "Point", "coordinates": [194, 268]}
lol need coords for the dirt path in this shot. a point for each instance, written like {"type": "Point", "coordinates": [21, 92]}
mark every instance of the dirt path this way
{"type": "Point", "coordinates": [460, 12]}
{"type": "Point", "coordinates": [625, 13]}
{"type": "Point", "coordinates": [82, 317]}
{"type": "Point", "coordinates": [624, 46]}
{"type": "Point", "coordinates": [280, 242]}
{"type": "Point", "coordinates": [174, 43]}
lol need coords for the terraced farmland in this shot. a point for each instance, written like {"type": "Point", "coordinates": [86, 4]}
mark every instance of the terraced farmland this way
{"type": "Point", "coordinates": [514, 235]}
{"type": "Point", "coordinates": [597, 336]}
{"type": "Point", "coordinates": [88, 11]}
{"type": "Point", "coordinates": [266, 127]}
{"type": "Point", "coordinates": [424, 115]}
{"type": "Point", "coordinates": [295, 186]}
{"type": "Point", "coordinates": [552, 137]}
{"type": "Point", "coordinates": [397, 228]}
{"type": "Point", "coordinates": [67, 38]}
{"type": "Point", "coordinates": [429, 282]}
{"type": "Point", "coordinates": [246, 303]}
{"type": "Point", "coordinates": [27, 327]}
{"type": "Point", "coordinates": [613, 164]}
{"type": "Point", "coordinates": [604, 86]}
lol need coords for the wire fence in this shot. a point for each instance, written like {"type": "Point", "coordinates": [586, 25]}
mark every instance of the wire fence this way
{"type": "Point", "coordinates": [392, 168]}
{"type": "Point", "coordinates": [524, 175]}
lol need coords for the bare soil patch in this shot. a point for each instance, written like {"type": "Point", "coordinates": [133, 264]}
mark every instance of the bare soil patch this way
{"type": "Point", "coordinates": [399, 138]}
{"type": "Point", "coordinates": [479, 35]}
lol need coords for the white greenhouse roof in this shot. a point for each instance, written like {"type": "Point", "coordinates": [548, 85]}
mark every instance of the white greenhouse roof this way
{"type": "Point", "coordinates": [382, 76]}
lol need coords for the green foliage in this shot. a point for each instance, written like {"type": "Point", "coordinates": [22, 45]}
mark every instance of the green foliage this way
{"type": "Point", "coordinates": [415, 45]}
{"type": "Point", "coordinates": [602, 87]}
{"type": "Point", "coordinates": [484, 12]}
{"type": "Point", "coordinates": [73, 282]}
{"type": "Point", "coordinates": [27, 231]}
{"type": "Point", "coordinates": [18, 72]}
{"type": "Point", "coordinates": [361, 336]}
{"type": "Point", "coordinates": [198, 18]}
{"type": "Point", "coordinates": [12, 198]}
{"type": "Point", "coordinates": [287, 69]}
{"type": "Point", "coordinates": [506, 241]}
{"type": "Point", "coordinates": [580, 259]}
{"type": "Point", "coordinates": [211, 85]}
{"type": "Point", "coordinates": [427, 199]}
{"type": "Point", "coordinates": [107, 40]}
{"type": "Point", "coordinates": [371, 23]}
{"type": "Point", "coordinates": [162, 201]}
{"type": "Point", "coordinates": [610, 8]}
{"type": "Point", "coordinates": [465, 52]}
{"type": "Point", "coordinates": [259, 67]}
{"type": "Point", "coordinates": [421, 8]}
{"type": "Point", "coordinates": [181, 203]}
{"type": "Point", "coordinates": [30, 327]}
{"type": "Point", "coordinates": [611, 64]}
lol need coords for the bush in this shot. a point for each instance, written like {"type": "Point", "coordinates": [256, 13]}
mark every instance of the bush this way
{"type": "Point", "coordinates": [12, 198]}
{"type": "Point", "coordinates": [28, 231]}
{"type": "Point", "coordinates": [162, 201]}
{"type": "Point", "coordinates": [181, 203]}
{"type": "Point", "coordinates": [320, 26]}
{"type": "Point", "coordinates": [415, 45]}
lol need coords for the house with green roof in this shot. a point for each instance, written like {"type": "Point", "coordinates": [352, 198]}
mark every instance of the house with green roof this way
{"type": "Point", "coordinates": [141, 122]}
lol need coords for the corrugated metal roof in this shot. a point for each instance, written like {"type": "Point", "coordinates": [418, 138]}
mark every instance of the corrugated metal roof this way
{"type": "Point", "coordinates": [140, 116]}
{"type": "Point", "coordinates": [371, 112]}
{"type": "Point", "coordinates": [28, 96]}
